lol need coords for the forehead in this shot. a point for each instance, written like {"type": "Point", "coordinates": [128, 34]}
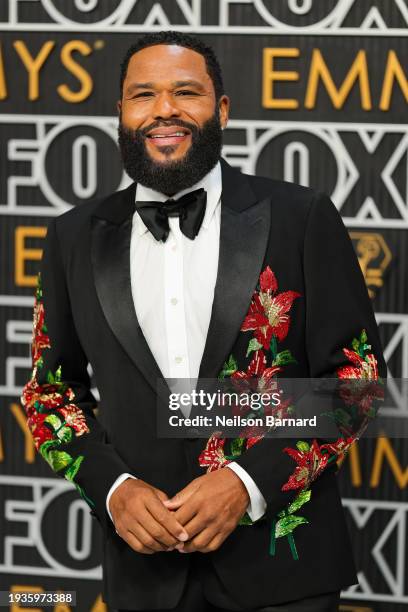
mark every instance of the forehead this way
{"type": "Point", "coordinates": [167, 63]}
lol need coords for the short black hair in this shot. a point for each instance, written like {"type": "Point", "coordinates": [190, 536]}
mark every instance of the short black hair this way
{"type": "Point", "coordinates": [172, 37]}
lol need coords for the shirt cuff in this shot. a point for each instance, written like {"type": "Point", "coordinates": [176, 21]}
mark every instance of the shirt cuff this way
{"type": "Point", "coordinates": [257, 504]}
{"type": "Point", "coordinates": [115, 485]}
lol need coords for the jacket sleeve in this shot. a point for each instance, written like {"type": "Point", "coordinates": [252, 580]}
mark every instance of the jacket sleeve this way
{"type": "Point", "coordinates": [342, 341]}
{"type": "Point", "coordinates": [57, 398]}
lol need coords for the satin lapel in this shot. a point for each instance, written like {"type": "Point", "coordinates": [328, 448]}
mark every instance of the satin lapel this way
{"type": "Point", "coordinates": [110, 254]}
{"type": "Point", "coordinates": [243, 240]}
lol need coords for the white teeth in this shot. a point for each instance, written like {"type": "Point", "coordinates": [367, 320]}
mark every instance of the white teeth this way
{"type": "Point", "coordinates": [167, 135]}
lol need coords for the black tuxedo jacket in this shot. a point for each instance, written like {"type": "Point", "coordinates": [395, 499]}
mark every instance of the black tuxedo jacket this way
{"type": "Point", "coordinates": [85, 313]}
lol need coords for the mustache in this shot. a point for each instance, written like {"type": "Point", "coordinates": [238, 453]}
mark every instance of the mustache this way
{"type": "Point", "coordinates": [172, 122]}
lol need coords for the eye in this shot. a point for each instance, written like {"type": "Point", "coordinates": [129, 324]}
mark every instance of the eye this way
{"type": "Point", "coordinates": [187, 92]}
{"type": "Point", "coordinates": [144, 94]}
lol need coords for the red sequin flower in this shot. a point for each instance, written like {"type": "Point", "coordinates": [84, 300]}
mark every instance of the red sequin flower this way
{"type": "Point", "coordinates": [268, 313]}
{"type": "Point", "coordinates": [257, 377]}
{"type": "Point", "coordinates": [310, 463]}
{"type": "Point", "coordinates": [363, 367]}
{"type": "Point", "coordinates": [212, 457]}
{"type": "Point", "coordinates": [74, 418]}
{"type": "Point", "coordinates": [40, 337]}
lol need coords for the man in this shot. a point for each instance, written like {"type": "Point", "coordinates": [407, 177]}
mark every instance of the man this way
{"type": "Point", "coordinates": [196, 270]}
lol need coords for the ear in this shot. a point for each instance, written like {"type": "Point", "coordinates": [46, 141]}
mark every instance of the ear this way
{"type": "Point", "coordinates": [119, 106]}
{"type": "Point", "coordinates": [223, 109]}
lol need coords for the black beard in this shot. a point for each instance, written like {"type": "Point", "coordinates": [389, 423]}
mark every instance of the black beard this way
{"type": "Point", "coordinates": [174, 176]}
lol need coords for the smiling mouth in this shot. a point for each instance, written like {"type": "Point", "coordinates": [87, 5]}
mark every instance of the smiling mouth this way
{"type": "Point", "coordinates": [167, 137]}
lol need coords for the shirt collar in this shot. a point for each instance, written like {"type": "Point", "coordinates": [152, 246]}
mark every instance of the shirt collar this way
{"type": "Point", "coordinates": [211, 182]}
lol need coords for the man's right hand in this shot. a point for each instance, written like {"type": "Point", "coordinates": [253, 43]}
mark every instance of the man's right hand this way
{"type": "Point", "coordinates": [141, 519]}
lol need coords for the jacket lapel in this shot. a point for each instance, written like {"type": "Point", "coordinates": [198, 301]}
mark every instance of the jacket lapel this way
{"type": "Point", "coordinates": [245, 226]}
{"type": "Point", "coordinates": [244, 231]}
{"type": "Point", "coordinates": [111, 228]}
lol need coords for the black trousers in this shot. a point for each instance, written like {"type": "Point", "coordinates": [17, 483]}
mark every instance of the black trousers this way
{"type": "Point", "coordinates": [195, 600]}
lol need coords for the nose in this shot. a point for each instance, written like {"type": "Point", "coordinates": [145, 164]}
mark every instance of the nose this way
{"type": "Point", "coordinates": [165, 107]}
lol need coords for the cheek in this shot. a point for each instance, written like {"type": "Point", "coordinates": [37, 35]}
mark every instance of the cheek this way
{"type": "Point", "coordinates": [134, 116]}
{"type": "Point", "coordinates": [197, 111]}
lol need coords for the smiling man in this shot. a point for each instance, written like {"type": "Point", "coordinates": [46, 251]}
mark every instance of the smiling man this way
{"type": "Point", "coordinates": [170, 122]}
{"type": "Point", "coordinates": [196, 270]}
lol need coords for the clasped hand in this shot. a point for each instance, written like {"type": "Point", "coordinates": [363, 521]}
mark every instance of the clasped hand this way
{"type": "Point", "coordinates": [198, 518]}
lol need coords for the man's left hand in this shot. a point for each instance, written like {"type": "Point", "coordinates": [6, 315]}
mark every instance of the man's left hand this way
{"type": "Point", "coordinates": [209, 508]}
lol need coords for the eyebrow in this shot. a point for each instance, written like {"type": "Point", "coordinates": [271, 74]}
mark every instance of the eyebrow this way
{"type": "Point", "coordinates": [190, 83]}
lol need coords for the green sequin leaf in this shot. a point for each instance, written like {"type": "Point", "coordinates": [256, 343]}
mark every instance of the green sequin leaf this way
{"type": "Point", "coordinates": [302, 498]}
{"type": "Point", "coordinates": [58, 460]}
{"type": "Point", "coordinates": [228, 368]}
{"type": "Point", "coordinates": [245, 520]}
{"type": "Point", "coordinates": [65, 434]}
{"type": "Point", "coordinates": [72, 469]}
{"type": "Point", "coordinates": [287, 524]}
{"type": "Point", "coordinates": [273, 346]}
{"type": "Point", "coordinates": [53, 420]}
{"type": "Point", "coordinates": [87, 499]}
{"type": "Point", "coordinates": [371, 412]}
{"type": "Point", "coordinates": [253, 345]}
{"type": "Point", "coordinates": [342, 416]}
{"type": "Point", "coordinates": [46, 446]}
{"type": "Point", "coordinates": [236, 446]}
{"type": "Point", "coordinates": [302, 446]}
{"type": "Point", "coordinates": [339, 416]}
{"type": "Point", "coordinates": [38, 289]}
{"type": "Point", "coordinates": [283, 358]}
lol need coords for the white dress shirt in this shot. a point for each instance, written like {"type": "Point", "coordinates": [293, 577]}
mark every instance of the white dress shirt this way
{"type": "Point", "coordinates": [173, 289]}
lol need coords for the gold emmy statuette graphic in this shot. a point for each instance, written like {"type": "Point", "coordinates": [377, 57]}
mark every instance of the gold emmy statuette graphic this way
{"type": "Point", "coordinates": [374, 257]}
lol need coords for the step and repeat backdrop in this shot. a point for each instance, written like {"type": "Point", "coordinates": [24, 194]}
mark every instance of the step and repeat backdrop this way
{"type": "Point", "coordinates": [319, 92]}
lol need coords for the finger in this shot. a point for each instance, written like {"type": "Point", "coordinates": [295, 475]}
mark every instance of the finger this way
{"type": "Point", "coordinates": [155, 529]}
{"type": "Point", "coordinates": [166, 519]}
{"type": "Point", "coordinates": [184, 514]}
{"type": "Point", "coordinates": [214, 544]}
{"type": "Point", "coordinates": [201, 540]}
{"type": "Point", "coordinates": [181, 497]}
{"type": "Point", "coordinates": [136, 544]}
{"type": "Point", "coordinates": [162, 495]}
{"type": "Point", "coordinates": [148, 540]}
{"type": "Point", "coordinates": [197, 524]}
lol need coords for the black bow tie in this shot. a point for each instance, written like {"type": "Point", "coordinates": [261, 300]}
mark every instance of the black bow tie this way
{"type": "Point", "coordinates": [190, 209]}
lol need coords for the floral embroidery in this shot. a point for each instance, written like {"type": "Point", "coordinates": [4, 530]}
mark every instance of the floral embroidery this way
{"type": "Point", "coordinates": [268, 317]}
{"type": "Point", "coordinates": [310, 463]}
{"type": "Point", "coordinates": [213, 456]}
{"type": "Point", "coordinates": [268, 312]}
{"type": "Point", "coordinates": [286, 521]}
{"type": "Point", "coordinates": [51, 417]}
{"type": "Point", "coordinates": [364, 364]}
{"type": "Point", "coordinates": [313, 459]}
{"type": "Point", "coordinates": [258, 377]}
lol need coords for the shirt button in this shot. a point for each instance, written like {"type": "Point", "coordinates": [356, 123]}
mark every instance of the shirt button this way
{"type": "Point", "coordinates": [178, 359]}
{"type": "Point", "coordinates": [174, 301]}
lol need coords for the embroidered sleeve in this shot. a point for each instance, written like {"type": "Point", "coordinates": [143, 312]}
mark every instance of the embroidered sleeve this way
{"type": "Point", "coordinates": [360, 389]}
{"type": "Point", "coordinates": [52, 415]}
